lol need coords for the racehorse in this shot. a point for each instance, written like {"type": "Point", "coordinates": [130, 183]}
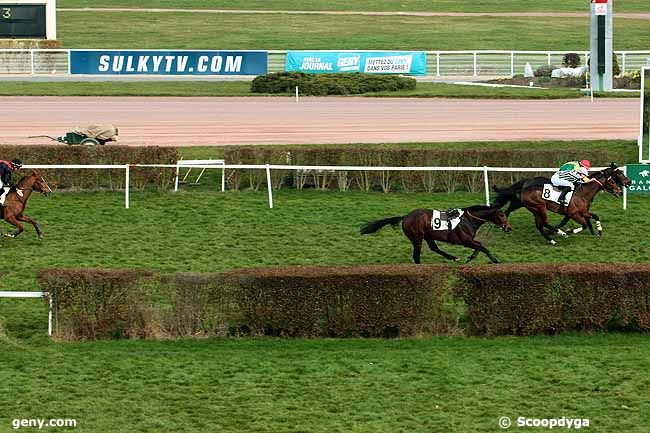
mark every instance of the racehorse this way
{"type": "Point", "coordinates": [417, 227]}
{"type": "Point", "coordinates": [528, 193]}
{"type": "Point", "coordinates": [15, 203]}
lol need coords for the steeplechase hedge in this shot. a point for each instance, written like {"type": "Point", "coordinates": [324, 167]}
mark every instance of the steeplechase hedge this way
{"type": "Point", "coordinates": [402, 157]}
{"type": "Point", "coordinates": [329, 84]}
{"type": "Point", "coordinates": [351, 301]}
{"type": "Point", "coordinates": [56, 154]}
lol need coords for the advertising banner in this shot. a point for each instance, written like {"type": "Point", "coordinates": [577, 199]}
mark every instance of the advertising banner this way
{"type": "Point", "coordinates": [370, 62]}
{"type": "Point", "coordinates": [132, 62]}
{"type": "Point", "coordinates": [639, 174]}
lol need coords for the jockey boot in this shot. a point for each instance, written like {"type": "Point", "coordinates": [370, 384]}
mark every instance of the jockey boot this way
{"type": "Point", "coordinates": [3, 195]}
{"type": "Point", "coordinates": [564, 191]}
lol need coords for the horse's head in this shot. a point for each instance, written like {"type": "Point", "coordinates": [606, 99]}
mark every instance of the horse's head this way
{"type": "Point", "coordinates": [609, 180]}
{"type": "Point", "coordinates": [39, 184]}
{"type": "Point", "coordinates": [620, 178]}
{"type": "Point", "coordinates": [500, 219]}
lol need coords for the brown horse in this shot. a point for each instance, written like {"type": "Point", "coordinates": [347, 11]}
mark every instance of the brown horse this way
{"type": "Point", "coordinates": [417, 227]}
{"type": "Point", "coordinates": [528, 193]}
{"type": "Point", "coordinates": [15, 203]}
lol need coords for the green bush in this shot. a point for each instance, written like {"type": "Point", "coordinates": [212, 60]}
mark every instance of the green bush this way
{"type": "Point", "coordinates": [571, 60]}
{"type": "Point", "coordinates": [100, 303]}
{"type": "Point", "coordinates": [527, 299]}
{"type": "Point", "coordinates": [100, 178]}
{"type": "Point", "coordinates": [337, 301]}
{"type": "Point", "coordinates": [402, 157]}
{"type": "Point", "coordinates": [545, 71]}
{"type": "Point", "coordinates": [329, 84]}
{"type": "Point", "coordinates": [343, 301]}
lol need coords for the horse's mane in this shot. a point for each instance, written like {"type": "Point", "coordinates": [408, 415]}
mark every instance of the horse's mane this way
{"type": "Point", "coordinates": [480, 207]}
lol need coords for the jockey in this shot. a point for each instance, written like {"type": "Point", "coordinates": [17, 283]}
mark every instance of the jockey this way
{"type": "Point", "coordinates": [570, 174]}
{"type": "Point", "coordinates": [6, 170]}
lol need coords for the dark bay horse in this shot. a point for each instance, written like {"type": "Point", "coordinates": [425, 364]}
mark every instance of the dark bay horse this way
{"type": "Point", "coordinates": [417, 227]}
{"type": "Point", "coordinates": [528, 193]}
{"type": "Point", "coordinates": [15, 203]}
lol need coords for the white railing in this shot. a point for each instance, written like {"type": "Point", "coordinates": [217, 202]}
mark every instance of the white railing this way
{"type": "Point", "coordinates": [268, 167]}
{"type": "Point", "coordinates": [33, 295]}
{"type": "Point", "coordinates": [485, 63]}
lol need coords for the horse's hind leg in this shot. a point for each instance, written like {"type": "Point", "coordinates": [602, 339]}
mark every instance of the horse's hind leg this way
{"type": "Point", "coordinates": [33, 222]}
{"type": "Point", "coordinates": [14, 222]}
{"type": "Point", "coordinates": [434, 247]}
{"type": "Point", "coordinates": [541, 221]}
{"type": "Point", "coordinates": [599, 226]}
{"type": "Point", "coordinates": [417, 250]}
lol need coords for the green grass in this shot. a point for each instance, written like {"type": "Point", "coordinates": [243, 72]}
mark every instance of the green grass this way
{"type": "Point", "coordinates": [453, 385]}
{"type": "Point", "coordinates": [365, 5]}
{"type": "Point", "coordinates": [202, 231]}
{"type": "Point", "coordinates": [128, 88]}
{"type": "Point", "coordinates": [250, 31]}
{"type": "Point", "coordinates": [242, 88]}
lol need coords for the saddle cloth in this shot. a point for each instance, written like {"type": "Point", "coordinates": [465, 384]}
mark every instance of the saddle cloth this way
{"type": "Point", "coordinates": [551, 193]}
{"type": "Point", "coordinates": [439, 220]}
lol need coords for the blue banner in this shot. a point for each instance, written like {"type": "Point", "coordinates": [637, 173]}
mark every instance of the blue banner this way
{"type": "Point", "coordinates": [370, 62]}
{"type": "Point", "coordinates": [100, 62]}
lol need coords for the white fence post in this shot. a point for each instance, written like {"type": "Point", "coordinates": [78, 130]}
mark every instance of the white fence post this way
{"type": "Point", "coordinates": [487, 186]}
{"type": "Point", "coordinates": [623, 59]}
{"type": "Point", "coordinates": [31, 53]}
{"type": "Point", "coordinates": [126, 186]}
{"type": "Point", "coordinates": [269, 186]}
{"type": "Point", "coordinates": [625, 189]}
{"type": "Point", "coordinates": [49, 316]}
{"type": "Point", "coordinates": [475, 68]}
{"type": "Point", "coordinates": [438, 64]}
{"type": "Point", "coordinates": [223, 179]}
{"type": "Point", "coordinates": [178, 170]}
{"type": "Point", "coordinates": [512, 64]}
{"type": "Point", "coordinates": [549, 58]}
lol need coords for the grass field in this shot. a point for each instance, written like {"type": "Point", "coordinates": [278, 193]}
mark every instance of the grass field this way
{"type": "Point", "coordinates": [251, 31]}
{"type": "Point", "coordinates": [454, 385]}
{"type": "Point", "coordinates": [364, 5]}
{"type": "Point", "coordinates": [242, 88]}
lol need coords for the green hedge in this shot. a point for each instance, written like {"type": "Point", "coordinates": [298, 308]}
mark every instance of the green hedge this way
{"type": "Point", "coordinates": [101, 178]}
{"type": "Point", "coordinates": [403, 157]}
{"type": "Point", "coordinates": [329, 84]}
{"type": "Point", "coordinates": [341, 301]}
{"type": "Point", "coordinates": [548, 299]}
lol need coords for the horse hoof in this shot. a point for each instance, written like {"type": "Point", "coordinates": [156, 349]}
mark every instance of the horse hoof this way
{"type": "Point", "coordinates": [8, 235]}
{"type": "Point", "coordinates": [552, 242]}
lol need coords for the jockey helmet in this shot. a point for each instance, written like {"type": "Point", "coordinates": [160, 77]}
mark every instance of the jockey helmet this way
{"type": "Point", "coordinates": [586, 164]}
{"type": "Point", "coordinates": [16, 163]}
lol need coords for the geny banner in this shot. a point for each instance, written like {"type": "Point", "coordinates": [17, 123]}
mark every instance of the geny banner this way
{"type": "Point", "coordinates": [98, 62]}
{"type": "Point", "coordinates": [370, 62]}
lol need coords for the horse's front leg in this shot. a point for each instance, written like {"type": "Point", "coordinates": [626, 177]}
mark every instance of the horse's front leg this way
{"type": "Point", "coordinates": [477, 246]}
{"type": "Point", "coordinates": [14, 222]}
{"type": "Point", "coordinates": [33, 222]}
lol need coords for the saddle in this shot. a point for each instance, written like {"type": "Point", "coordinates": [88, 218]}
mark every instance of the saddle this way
{"type": "Point", "coordinates": [446, 220]}
{"type": "Point", "coordinates": [551, 193]}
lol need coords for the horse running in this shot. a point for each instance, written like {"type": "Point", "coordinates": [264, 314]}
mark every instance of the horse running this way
{"type": "Point", "coordinates": [528, 193]}
{"type": "Point", "coordinates": [15, 203]}
{"type": "Point", "coordinates": [417, 227]}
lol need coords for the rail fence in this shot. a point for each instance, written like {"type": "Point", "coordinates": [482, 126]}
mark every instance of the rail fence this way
{"type": "Point", "coordinates": [314, 168]}
{"type": "Point", "coordinates": [489, 63]}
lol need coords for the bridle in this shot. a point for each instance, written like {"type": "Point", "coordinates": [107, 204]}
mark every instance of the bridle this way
{"type": "Point", "coordinates": [502, 226]}
{"type": "Point", "coordinates": [606, 182]}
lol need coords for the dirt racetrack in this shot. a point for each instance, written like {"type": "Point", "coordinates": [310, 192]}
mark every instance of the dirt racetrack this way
{"type": "Point", "coordinates": [281, 120]}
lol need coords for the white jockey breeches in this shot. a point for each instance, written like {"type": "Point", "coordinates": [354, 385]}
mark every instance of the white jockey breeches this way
{"type": "Point", "coordinates": [555, 180]}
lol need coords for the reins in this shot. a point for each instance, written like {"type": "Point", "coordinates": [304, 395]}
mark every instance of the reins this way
{"type": "Point", "coordinates": [475, 217]}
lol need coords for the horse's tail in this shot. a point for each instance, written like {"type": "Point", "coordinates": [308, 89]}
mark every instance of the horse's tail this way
{"type": "Point", "coordinates": [375, 226]}
{"type": "Point", "coordinates": [508, 194]}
